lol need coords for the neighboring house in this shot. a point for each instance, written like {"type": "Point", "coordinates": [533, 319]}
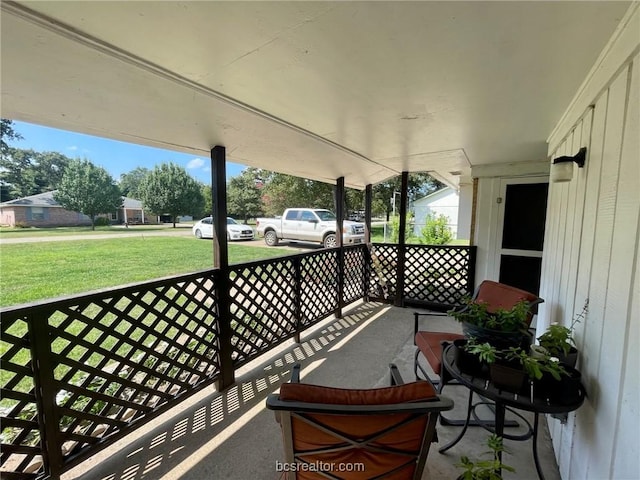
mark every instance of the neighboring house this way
{"type": "Point", "coordinates": [131, 213]}
{"type": "Point", "coordinates": [443, 202]}
{"type": "Point", "coordinates": [39, 210]}
{"type": "Point", "coordinates": [42, 210]}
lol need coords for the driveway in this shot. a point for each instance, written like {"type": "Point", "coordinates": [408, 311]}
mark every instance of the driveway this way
{"type": "Point", "coordinates": [169, 232]}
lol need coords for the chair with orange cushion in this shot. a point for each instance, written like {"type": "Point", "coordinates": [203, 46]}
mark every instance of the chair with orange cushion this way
{"type": "Point", "coordinates": [356, 434]}
{"type": "Point", "coordinates": [429, 344]}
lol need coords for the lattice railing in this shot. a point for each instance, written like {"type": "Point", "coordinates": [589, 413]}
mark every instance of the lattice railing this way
{"type": "Point", "coordinates": [108, 362]}
{"type": "Point", "coordinates": [263, 306]}
{"type": "Point", "coordinates": [355, 263]}
{"type": "Point", "coordinates": [438, 275]}
{"type": "Point", "coordinates": [105, 362]}
{"type": "Point", "coordinates": [384, 266]}
{"type": "Point", "coordinates": [21, 417]}
{"type": "Point", "coordinates": [319, 286]}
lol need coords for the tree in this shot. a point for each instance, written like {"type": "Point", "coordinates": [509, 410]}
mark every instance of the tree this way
{"type": "Point", "coordinates": [244, 198]}
{"type": "Point", "coordinates": [130, 182]}
{"type": "Point", "coordinates": [419, 185]}
{"type": "Point", "coordinates": [88, 189]}
{"type": "Point", "coordinates": [282, 191]}
{"type": "Point", "coordinates": [208, 199]}
{"type": "Point", "coordinates": [27, 172]}
{"type": "Point", "coordinates": [168, 189]}
{"type": "Point", "coordinates": [7, 133]}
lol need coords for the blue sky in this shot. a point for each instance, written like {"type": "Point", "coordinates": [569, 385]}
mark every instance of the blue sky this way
{"type": "Point", "coordinates": [116, 157]}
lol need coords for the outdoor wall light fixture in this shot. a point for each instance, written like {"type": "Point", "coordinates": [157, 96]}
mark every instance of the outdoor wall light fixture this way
{"type": "Point", "coordinates": [562, 167]}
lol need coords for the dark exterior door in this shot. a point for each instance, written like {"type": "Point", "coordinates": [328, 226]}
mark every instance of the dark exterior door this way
{"type": "Point", "coordinates": [522, 237]}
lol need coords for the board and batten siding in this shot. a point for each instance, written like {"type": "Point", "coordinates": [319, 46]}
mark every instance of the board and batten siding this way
{"type": "Point", "coordinates": [591, 253]}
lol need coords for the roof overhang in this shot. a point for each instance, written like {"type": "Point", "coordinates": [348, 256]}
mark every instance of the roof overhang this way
{"type": "Point", "coordinates": [321, 90]}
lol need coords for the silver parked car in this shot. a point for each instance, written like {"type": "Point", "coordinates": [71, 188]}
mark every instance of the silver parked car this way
{"type": "Point", "coordinates": [235, 230]}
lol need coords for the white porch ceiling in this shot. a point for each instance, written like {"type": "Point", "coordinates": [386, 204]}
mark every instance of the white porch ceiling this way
{"type": "Point", "coordinates": [321, 90]}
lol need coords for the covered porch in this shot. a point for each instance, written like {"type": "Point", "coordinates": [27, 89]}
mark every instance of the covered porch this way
{"type": "Point", "coordinates": [232, 435]}
{"type": "Point", "coordinates": [476, 93]}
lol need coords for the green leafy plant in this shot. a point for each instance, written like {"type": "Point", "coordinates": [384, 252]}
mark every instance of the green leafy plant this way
{"type": "Point", "coordinates": [477, 313]}
{"type": "Point", "coordinates": [485, 351]}
{"type": "Point", "coordinates": [558, 339]}
{"type": "Point", "coordinates": [488, 469]}
{"type": "Point", "coordinates": [395, 229]}
{"type": "Point", "coordinates": [436, 230]}
{"type": "Point", "coordinates": [510, 320]}
{"type": "Point", "coordinates": [535, 367]}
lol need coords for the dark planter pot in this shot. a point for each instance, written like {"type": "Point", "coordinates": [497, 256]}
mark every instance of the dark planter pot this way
{"type": "Point", "coordinates": [570, 358]}
{"type": "Point", "coordinates": [545, 387]}
{"type": "Point", "coordinates": [468, 363]}
{"type": "Point", "coordinates": [500, 340]}
{"type": "Point", "coordinates": [569, 388]}
{"type": "Point", "coordinates": [565, 391]}
{"type": "Point", "coordinates": [507, 377]}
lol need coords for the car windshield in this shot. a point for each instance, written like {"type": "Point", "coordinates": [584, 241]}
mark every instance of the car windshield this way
{"type": "Point", "coordinates": [231, 221]}
{"type": "Point", "coordinates": [325, 215]}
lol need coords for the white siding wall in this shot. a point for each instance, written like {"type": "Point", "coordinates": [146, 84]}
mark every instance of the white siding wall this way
{"type": "Point", "coordinates": [441, 203]}
{"type": "Point", "coordinates": [592, 253]}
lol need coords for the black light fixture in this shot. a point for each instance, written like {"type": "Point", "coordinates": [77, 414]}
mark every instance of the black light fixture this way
{"type": "Point", "coordinates": [562, 167]}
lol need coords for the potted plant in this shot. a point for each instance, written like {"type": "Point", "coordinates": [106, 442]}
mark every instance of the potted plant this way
{"type": "Point", "coordinates": [514, 365]}
{"type": "Point", "coordinates": [489, 469]}
{"type": "Point", "coordinates": [507, 372]}
{"type": "Point", "coordinates": [559, 342]}
{"type": "Point", "coordinates": [466, 361]}
{"type": "Point", "coordinates": [559, 382]}
{"type": "Point", "coordinates": [472, 357]}
{"type": "Point", "coordinates": [486, 352]}
{"type": "Point", "coordinates": [502, 327]}
{"type": "Point", "coordinates": [550, 378]}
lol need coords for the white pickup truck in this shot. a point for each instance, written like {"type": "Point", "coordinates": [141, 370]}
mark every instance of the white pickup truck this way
{"type": "Point", "coordinates": [308, 225]}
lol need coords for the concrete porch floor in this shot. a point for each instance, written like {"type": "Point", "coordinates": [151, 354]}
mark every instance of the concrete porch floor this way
{"type": "Point", "coordinates": [231, 435]}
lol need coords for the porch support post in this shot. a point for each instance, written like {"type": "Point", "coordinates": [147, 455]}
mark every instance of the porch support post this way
{"type": "Point", "coordinates": [402, 240]}
{"type": "Point", "coordinates": [339, 227]}
{"type": "Point", "coordinates": [221, 262]}
{"type": "Point", "coordinates": [368, 200]}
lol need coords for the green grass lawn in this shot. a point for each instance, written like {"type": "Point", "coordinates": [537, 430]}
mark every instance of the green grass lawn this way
{"type": "Point", "coordinates": [36, 271]}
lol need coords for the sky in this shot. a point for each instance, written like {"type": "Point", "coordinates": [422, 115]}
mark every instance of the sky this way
{"type": "Point", "coordinates": [115, 157]}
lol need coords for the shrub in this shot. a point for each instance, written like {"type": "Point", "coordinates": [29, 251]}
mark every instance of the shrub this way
{"type": "Point", "coordinates": [395, 229]}
{"type": "Point", "coordinates": [102, 222]}
{"type": "Point", "coordinates": [436, 230]}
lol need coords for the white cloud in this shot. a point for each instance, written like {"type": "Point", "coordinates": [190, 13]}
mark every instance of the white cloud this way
{"type": "Point", "coordinates": [195, 163]}
{"type": "Point", "coordinates": [72, 148]}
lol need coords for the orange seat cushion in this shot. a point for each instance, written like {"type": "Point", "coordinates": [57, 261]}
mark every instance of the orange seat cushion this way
{"type": "Point", "coordinates": [430, 346]}
{"type": "Point", "coordinates": [308, 438]}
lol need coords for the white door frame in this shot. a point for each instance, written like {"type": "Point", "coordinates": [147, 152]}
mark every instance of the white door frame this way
{"type": "Point", "coordinates": [497, 250]}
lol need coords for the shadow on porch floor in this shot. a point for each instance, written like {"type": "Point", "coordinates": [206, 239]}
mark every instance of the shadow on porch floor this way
{"type": "Point", "coordinates": [231, 435]}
